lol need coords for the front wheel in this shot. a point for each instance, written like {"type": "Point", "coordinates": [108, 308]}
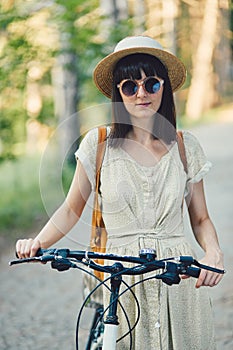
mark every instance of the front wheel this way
{"type": "Point", "coordinates": [95, 341]}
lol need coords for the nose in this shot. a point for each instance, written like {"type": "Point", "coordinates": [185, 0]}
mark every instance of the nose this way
{"type": "Point", "coordinates": [141, 91]}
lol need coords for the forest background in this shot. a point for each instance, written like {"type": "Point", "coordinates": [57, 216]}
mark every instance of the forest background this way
{"type": "Point", "coordinates": [48, 49]}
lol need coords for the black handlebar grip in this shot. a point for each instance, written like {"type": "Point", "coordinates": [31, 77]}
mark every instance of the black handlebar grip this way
{"type": "Point", "coordinates": [193, 271]}
{"type": "Point", "coordinates": [40, 252]}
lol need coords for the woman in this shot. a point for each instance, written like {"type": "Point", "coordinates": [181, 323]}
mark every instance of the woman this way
{"type": "Point", "coordinates": [143, 185]}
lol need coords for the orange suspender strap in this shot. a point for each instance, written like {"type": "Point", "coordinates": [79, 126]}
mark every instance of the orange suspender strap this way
{"type": "Point", "coordinates": [102, 133]}
{"type": "Point", "coordinates": [180, 142]}
{"type": "Point", "coordinates": [97, 220]}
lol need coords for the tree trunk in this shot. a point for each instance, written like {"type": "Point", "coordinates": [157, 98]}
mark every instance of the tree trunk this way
{"type": "Point", "coordinates": [160, 22]}
{"type": "Point", "coordinates": [200, 95]}
{"type": "Point", "coordinates": [223, 54]}
{"type": "Point", "coordinates": [64, 77]}
{"type": "Point", "coordinates": [113, 11]}
{"type": "Point", "coordinates": [137, 9]}
{"type": "Point", "coordinates": [153, 18]}
{"type": "Point", "coordinates": [169, 15]}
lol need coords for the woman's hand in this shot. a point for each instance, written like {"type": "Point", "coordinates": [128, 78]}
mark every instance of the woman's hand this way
{"type": "Point", "coordinates": [209, 278]}
{"type": "Point", "coordinates": [26, 248]}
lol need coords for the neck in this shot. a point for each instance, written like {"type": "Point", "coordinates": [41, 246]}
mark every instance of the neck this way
{"type": "Point", "coordinates": [140, 135]}
{"type": "Point", "coordinates": [142, 130]}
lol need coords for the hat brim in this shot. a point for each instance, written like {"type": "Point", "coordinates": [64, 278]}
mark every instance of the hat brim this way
{"type": "Point", "coordinates": [103, 72]}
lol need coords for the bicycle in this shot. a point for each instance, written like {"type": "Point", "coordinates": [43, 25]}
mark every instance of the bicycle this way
{"type": "Point", "coordinates": [103, 334]}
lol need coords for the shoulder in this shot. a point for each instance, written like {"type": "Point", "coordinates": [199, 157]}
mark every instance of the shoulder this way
{"type": "Point", "coordinates": [89, 142]}
{"type": "Point", "coordinates": [189, 138]}
{"type": "Point", "coordinates": [191, 143]}
{"type": "Point", "coordinates": [91, 136]}
{"type": "Point", "coordinates": [87, 145]}
{"type": "Point", "coordinates": [197, 163]}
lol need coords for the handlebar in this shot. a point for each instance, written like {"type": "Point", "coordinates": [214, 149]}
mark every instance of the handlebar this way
{"type": "Point", "coordinates": [63, 259]}
{"type": "Point", "coordinates": [172, 268]}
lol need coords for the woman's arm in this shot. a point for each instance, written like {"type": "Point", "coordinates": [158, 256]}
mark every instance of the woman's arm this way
{"type": "Point", "coordinates": [205, 235]}
{"type": "Point", "coordinates": [63, 219]}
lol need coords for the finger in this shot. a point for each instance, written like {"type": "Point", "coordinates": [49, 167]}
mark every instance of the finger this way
{"type": "Point", "coordinates": [218, 279]}
{"type": "Point", "coordinates": [34, 248]}
{"type": "Point", "coordinates": [201, 278]}
{"type": "Point", "coordinates": [215, 279]}
{"type": "Point", "coordinates": [18, 248]}
{"type": "Point", "coordinates": [184, 277]}
{"type": "Point", "coordinates": [21, 248]}
{"type": "Point", "coordinates": [27, 247]}
{"type": "Point", "coordinates": [209, 279]}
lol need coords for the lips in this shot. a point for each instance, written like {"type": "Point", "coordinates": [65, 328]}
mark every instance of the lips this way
{"type": "Point", "coordinates": [144, 104]}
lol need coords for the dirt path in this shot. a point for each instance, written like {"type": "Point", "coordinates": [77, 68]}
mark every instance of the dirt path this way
{"type": "Point", "coordinates": [38, 307]}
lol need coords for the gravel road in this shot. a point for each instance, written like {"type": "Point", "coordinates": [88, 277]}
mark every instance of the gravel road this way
{"type": "Point", "coordinates": [39, 306]}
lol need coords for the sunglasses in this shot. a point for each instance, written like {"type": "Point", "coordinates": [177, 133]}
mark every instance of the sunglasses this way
{"type": "Point", "coordinates": [130, 87]}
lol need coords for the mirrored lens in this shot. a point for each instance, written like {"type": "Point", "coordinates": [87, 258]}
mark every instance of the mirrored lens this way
{"type": "Point", "coordinates": [129, 88]}
{"type": "Point", "coordinates": [152, 85]}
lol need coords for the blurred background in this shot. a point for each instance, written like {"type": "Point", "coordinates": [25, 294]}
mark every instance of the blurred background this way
{"type": "Point", "coordinates": [48, 50]}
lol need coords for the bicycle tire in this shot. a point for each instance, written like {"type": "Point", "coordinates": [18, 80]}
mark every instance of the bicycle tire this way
{"type": "Point", "coordinates": [95, 340]}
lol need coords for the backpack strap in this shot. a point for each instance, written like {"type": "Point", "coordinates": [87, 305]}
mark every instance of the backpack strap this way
{"type": "Point", "coordinates": [102, 133]}
{"type": "Point", "coordinates": [97, 220]}
{"type": "Point", "coordinates": [180, 142]}
{"type": "Point", "coordinates": [98, 233]}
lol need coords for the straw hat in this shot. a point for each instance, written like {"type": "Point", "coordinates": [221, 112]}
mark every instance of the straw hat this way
{"type": "Point", "coordinates": [137, 44]}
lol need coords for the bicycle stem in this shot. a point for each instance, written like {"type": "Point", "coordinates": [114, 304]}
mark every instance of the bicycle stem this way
{"type": "Point", "coordinates": [115, 288]}
{"type": "Point", "coordinates": [111, 322]}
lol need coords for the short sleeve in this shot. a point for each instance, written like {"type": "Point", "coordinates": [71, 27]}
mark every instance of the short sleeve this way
{"type": "Point", "coordinates": [197, 163]}
{"type": "Point", "coordinates": [86, 153]}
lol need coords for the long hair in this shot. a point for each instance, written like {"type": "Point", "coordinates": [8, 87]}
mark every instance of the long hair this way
{"type": "Point", "coordinates": [130, 67]}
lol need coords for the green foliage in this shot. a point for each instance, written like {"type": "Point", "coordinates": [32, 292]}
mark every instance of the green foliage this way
{"type": "Point", "coordinates": [16, 54]}
{"type": "Point", "coordinates": [35, 32]}
{"type": "Point", "coordinates": [12, 131]}
{"type": "Point", "coordinates": [20, 47]}
{"type": "Point", "coordinates": [77, 24]}
{"type": "Point", "coordinates": [20, 202]}
{"type": "Point", "coordinates": [67, 175]}
{"type": "Point", "coordinates": [21, 206]}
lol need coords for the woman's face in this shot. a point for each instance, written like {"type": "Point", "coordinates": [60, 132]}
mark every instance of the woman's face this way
{"type": "Point", "coordinates": [142, 105]}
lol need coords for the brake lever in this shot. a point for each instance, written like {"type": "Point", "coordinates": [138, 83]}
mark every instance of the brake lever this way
{"type": "Point", "coordinates": [189, 260]}
{"type": "Point", "coordinates": [209, 268]}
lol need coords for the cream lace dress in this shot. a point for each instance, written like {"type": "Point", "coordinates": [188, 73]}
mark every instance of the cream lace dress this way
{"type": "Point", "coordinates": [143, 208]}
